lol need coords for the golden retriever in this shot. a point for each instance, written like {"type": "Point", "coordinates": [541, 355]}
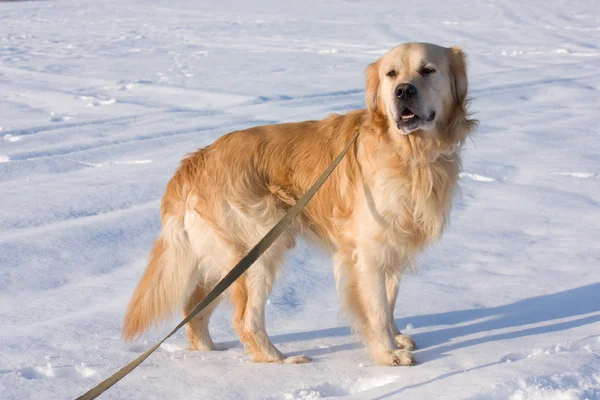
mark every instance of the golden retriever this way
{"type": "Point", "coordinates": [387, 200]}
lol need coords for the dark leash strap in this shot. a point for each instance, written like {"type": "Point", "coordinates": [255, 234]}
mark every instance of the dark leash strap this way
{"type": "Point", "coordinates": [231, 277]}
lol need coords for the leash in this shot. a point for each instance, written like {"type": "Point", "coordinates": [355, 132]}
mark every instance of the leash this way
{"type": "Point", "coordinates": [231, 277]}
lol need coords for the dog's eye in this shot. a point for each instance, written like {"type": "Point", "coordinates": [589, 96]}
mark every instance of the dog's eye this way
{"type": "Point", "coordinates": [427, 70]}
{"type": "Point", "coordinates": [391, 74]}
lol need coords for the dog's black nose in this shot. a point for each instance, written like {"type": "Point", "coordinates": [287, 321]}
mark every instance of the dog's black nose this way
{"type": "Point", "coordinates": [405, 90]}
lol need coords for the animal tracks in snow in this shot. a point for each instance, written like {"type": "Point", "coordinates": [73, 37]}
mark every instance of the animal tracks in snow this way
{"type": "Point", "coordinates": [561, 51]}
{"type": "Point", "coordinates": [50, 371]}
{"type": "Point", "coordinates": [344, 389]}
{"type": "Point", "coordinates": [589, 345]}
{"type": "Point", "coordinates": [476, 177]}
{"type": "Point", "coordinates": [95, 102]}
{"type": "Point", "coordinates": [321, 391]}
{"type": "Point", "coordinates": [133, 162]}
{"type": "Point", "coordinates": [124, 162]}
{"type": "Point", "coordinates": [364, 384]}
{"type": "Point", "coordinates": [580, 175]}
{"type": "Point", "coordinates": [483, 178]}
{"type": "Point", "coordinates": [11, 138]}
{"type": "Point", "coordinates": [54, 117]}
{"type": "Point", "coordinates": [165, 347]}
{"type": "Point", "coordinates": [570, 384]}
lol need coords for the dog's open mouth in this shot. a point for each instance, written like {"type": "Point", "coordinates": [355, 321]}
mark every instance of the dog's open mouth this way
{"type": "Point", "coordinates": [409, 120]}
{"type": "Point", "coordinates": [408, 115]}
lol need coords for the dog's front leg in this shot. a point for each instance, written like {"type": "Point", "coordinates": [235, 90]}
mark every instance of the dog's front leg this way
{"type": "Point", "coordinates": [372, 294]}
{"type": "Point", "coordinates": [392, 283]}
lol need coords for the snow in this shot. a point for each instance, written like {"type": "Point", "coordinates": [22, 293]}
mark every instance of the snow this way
{"type": "Point", "coordinates": [99, 100]}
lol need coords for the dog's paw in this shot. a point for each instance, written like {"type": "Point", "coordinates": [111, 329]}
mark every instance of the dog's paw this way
{"type": "Point", "coordinates": [400, 358]}
{"type": "Point", "coordinates": [405, 342]}
{"type": "Point", "coordinates": [301, 359]}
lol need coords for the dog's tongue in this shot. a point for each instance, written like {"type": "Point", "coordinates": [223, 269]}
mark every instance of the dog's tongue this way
{"type": "Point", "coordinates": [407, 114]}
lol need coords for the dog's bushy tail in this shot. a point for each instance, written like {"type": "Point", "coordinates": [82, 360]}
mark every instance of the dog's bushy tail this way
{"type": "Point", "coordinates": [162, 288]}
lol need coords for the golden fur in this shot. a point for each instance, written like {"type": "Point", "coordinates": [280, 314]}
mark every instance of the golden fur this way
{"type": "Point", "coordinates": [388, 199]}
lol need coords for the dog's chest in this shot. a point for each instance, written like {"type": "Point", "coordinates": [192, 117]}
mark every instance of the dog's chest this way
{"type": "Point", "coordinates": [397, 218]}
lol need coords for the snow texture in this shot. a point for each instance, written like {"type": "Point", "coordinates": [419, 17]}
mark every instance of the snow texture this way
{"type": "Point", "coordinates": [99, 100]}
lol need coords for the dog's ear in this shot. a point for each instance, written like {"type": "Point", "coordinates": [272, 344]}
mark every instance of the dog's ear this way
{"type": "Point", "coordinates": [372, 87]}
{"type": "Point", "coordinates": [458, 69]}
{"type": "Point", "coordinates": [461, 124]}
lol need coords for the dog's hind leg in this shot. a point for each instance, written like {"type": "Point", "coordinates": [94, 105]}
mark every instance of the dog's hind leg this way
{"type": "Point", "coordinates": [211, 265]}
{"type": "Point", "coordinates": [249, 297]}
{"type": "Point", "coordinates": [197, 329]}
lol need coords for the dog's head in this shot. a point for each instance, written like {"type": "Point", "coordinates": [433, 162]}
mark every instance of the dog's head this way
{"type": "Point", "coordinates": [421, 89]}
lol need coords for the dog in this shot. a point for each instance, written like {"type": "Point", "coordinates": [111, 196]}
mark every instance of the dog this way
{"type": "Point", "coordinates": [388, 199]}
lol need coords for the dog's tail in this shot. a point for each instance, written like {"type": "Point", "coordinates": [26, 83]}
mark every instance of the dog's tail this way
{"type": "Point", "coordinates": [163, 286]}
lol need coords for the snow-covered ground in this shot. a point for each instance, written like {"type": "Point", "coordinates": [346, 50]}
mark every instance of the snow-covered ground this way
{"type": "Point", "coordinates": [100, 99]}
